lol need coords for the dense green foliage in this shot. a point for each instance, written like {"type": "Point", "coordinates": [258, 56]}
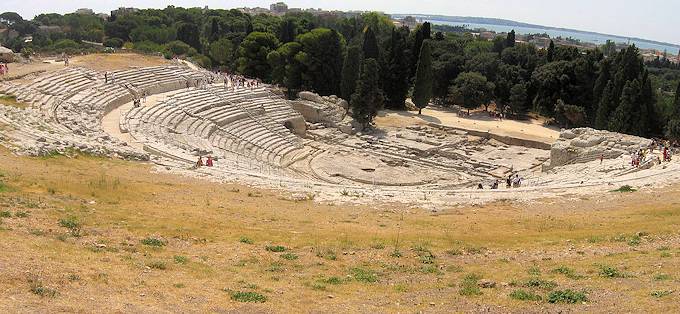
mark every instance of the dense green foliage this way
{"type": "Point", "coordinates": [605, 88]}
{"type": "Point", "coordinates": [368, 97]}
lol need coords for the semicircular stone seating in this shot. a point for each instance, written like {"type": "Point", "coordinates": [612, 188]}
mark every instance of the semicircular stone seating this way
{"type": "Point", "coordinates": [214, 120]}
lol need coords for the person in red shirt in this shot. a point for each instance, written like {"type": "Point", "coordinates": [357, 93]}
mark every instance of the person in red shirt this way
{"type": "Point", "coordinates": [209, 162]}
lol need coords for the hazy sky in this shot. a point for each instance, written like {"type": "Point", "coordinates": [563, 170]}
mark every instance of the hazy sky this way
{"type": "Point", "coordinates": [648, 19]}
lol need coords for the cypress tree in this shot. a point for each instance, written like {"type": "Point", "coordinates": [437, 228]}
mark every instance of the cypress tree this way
{"type": "Point", "coordinates": [368, 97]}
{"type": "Point", "coordinates": [602, 80]}
{"type": "Point", "coordinates": [622, 119]}
{"type": "Point", "coordinates": [370, 46]}
{"type": "Point", "coordinates": [605, 107]}
{"type": "Point", "coordinates": [510, 40]}
{"type": "Point", "coordinates": [350, 72]}
{"type": "Point", "coordinates": [214, 30]}
{"type": "Point", "coordinates": [675, 113]}
{"type": "Point", "coordinates": [551, 52]}
{"type": "Point", "coordinates": [422, 89]}
{"type": "Point", "coordinates": [396, 72]}
{"type": "Point", "coordinates": [422, 33]}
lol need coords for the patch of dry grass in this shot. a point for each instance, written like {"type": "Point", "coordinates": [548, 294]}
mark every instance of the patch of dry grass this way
{"type": "Point", "coordinates": [337, 258]}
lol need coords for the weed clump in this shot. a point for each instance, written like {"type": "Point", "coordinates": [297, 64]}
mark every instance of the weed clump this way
{"type": "Point", "coordinates": [610, 272]}
{"type": "Point", "coordinates": [625, 189]}
{"type": "Point", "coordinates": [73, 224]}
{"type": "Point", "coordinates": [524, 295]}
{"type": "Point", "coordinates": [364, 275]}
{"type": "Point", "coordinates": [179, 259]}
{"type": "Point", "coordinates": [157, 265]}
{"type": "Point", "coordinates": [37, 288]}
{"type": "Point", "coordinates": [275, 248]}
{"type": "Point", "coordinates": [469, 286]}
{"type": "Point", "coordinates": [248, 296]}
{"type": "Point", "coordinates": [567, 296]}
{"type": "Point", "coordinates": [151, 241]}
{"type": "Point", "coordinates": [289, 256]}
{"type": "Point", "coordinates": [246, 240]}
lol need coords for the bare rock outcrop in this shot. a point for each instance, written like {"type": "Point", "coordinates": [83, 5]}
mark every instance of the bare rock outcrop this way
{"type": "Point", "coordinates": [331, 111]}
{"type": "Point", "coordinates": [585, 144]}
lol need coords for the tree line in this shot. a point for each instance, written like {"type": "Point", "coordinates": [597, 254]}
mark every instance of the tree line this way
{"type": "Point", "coordinates": [371, 63]}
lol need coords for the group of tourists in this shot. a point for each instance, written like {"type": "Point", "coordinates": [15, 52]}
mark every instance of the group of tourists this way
{"type": "Point", "coordinates": [208, 162]}
{"type": "Point", "coordinates": [513, 181]}
{"type": "Point", "coordinates": [236, 81]}
{"type": "Point", "coordinates": [4, 68]}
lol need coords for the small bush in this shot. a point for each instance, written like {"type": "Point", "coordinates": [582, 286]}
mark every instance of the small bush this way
{"type": "Point", "coordinates": [567, 296]}
{"type": "Point", "coordinates": [329, 255]}
{"type": "Point", "coordinates": [289, 256]}
{"type": "Point", "coordinates": [249, 296]}
{"type": "Point", "coordinates": [37, 288]}
{"type": "Point", "coordinates": [567, 272]}
{"type": "Point", "coordinates": [661, 277]}
{"type": "Point", "coordinates": [72, 223]}
{"type": "Point", "coordinates": [625, 189]}
{"type": "Point", "coordinates": [332, 281]}
{"type": "Point", "coordinates": [364, 275]}
{"type": "Point", "coordinates": [469, 286]}
{"type": "Point", "coordinates": [610, 272]}
{"type": "Point", "coordinates": [157, 265]}
{"type": "Point", "coordinates": [275, 248]}
{"type": "Point", "coordinates": [378, 246]}
{"type": "Point", "coordinates": [246, 240]}
{"type": "Point", "coordinates": [179, 259]}
{"type": "Point", "coordinates": [540, 283]}
{"type": "Point", "coordinates": [661, 293]}
{"type": "Point", "coordinates": [5, 214]}
{"type": "Point", "coordinates": [21, 214]}
{"type": "Point", "coordinates": [524, 295]}
{"type": "Point", "coordinates": [151, 241]}
{"type": "Point", "coordinates": [275, 267]}
{"type": "Point", "coordinates": [534, 271]}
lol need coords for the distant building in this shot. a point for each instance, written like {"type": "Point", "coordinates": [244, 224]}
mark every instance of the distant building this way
{"type": "Point", "coordinates": [487, 35]}
{"type": "Point", "coordinates": [85, 11]}
{"type": "Point", "coordinates": [278, 8]}
{"type": "Point", "coordinates": [49, 29]}
{"type": "Point", "coordinates": [122, 11]}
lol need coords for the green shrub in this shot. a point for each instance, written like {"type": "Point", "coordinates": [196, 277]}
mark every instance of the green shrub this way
{"type": "Point", "coordinates": [5, 214]}
{"type": "Point", "coordinates": [540, 283]}
{"type": "Point", "coordinates": [179, 259]}
{"type": "Point", "coordinates": [625, 189]}
{"type": "Point", "coordinates": [332, 280]}
{"type": "Point", "coordinates": [246, 240]}
{"type": "Point", "coordinates": [113, 43]}
{"type": "Point", "coordinates": [248, 296]}
{"type": "Point", "coordinates": [289, 256]}
{"type": "Point", "coordinates": [661, 293]}
{"type": "Point", "coordinates": [151, 241]}
{"type": "Point", "coordinates": [567, 272]}
{"type": "Point", "coordinates": [610, 272]}
{"type": "Point", "coordinates": [21, 214]}
{"type": "Point", "coordinates": [364, 275]}
{"type": "Point", "coordinates": [72, 223]}
{"type": "Point", "coordinates": [567, 296]}
{"type": "Point", "coordinates": [661, 277]}
{"type": "Point", "coordinates": [157, 265]}
{"type": "Point", "coordinates": [37, 288]}
{"type": "Point", "coordinates": [469, 286]}
{"type": "Point", "coordinates": [275, 248]}
{"type": "Point", "coordinates": [525, 295]}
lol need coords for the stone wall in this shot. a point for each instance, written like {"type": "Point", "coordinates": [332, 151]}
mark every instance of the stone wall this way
{"type": "Point", "coordinates": [585, 144]}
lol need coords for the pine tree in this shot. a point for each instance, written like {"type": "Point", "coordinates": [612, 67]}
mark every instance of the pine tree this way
{"type": "Point", "coordinates": [518, 99]}
{"type": "Point", "coordinates": [368, 97]}
{"type": "Point", "coordinates": [422, 89]}
{"type": "Point", "coordinates": [551, 52]}
{"type": "Point", "coordinates": [510, 40]}
{"type": "Point", "coordinates": [395, 71]}
{"type": "Point", "coordinates": [622, 119]}
{"type": "Point", "coordinates": [350, 72]}
{"type": "Point", "coordinates": [370, 46]}
{"type": "Point", "coordinates": [607, 104]}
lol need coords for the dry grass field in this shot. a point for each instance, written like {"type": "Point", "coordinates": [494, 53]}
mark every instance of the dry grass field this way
{"type": "Point", "coordinates": [84, 234]}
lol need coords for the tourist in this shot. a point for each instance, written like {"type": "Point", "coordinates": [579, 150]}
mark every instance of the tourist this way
{"type": "Point", "coordinates": [480, 187]}
{"type": "Point", "coordinates": [199, 163]}
{"type": "Point", "coordinates": [508, 181]}
{"type": "Point", "coordinates": [209, 161]}
{"type": "Point", "coordinates": [495, 185]}
{"type": "Point", "coordinates": [106, 77]}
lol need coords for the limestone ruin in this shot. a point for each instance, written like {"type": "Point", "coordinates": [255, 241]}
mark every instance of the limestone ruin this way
{"type": "Point", "coordinates": [306, 145]}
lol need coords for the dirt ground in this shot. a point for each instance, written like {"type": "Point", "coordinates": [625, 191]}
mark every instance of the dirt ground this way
{"type": "Point", "coordinates": [85, 234]}
{"type": "Point", "coordinates": [100, 62]}
{"type": "Point", "coordinates": [532, 129]}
